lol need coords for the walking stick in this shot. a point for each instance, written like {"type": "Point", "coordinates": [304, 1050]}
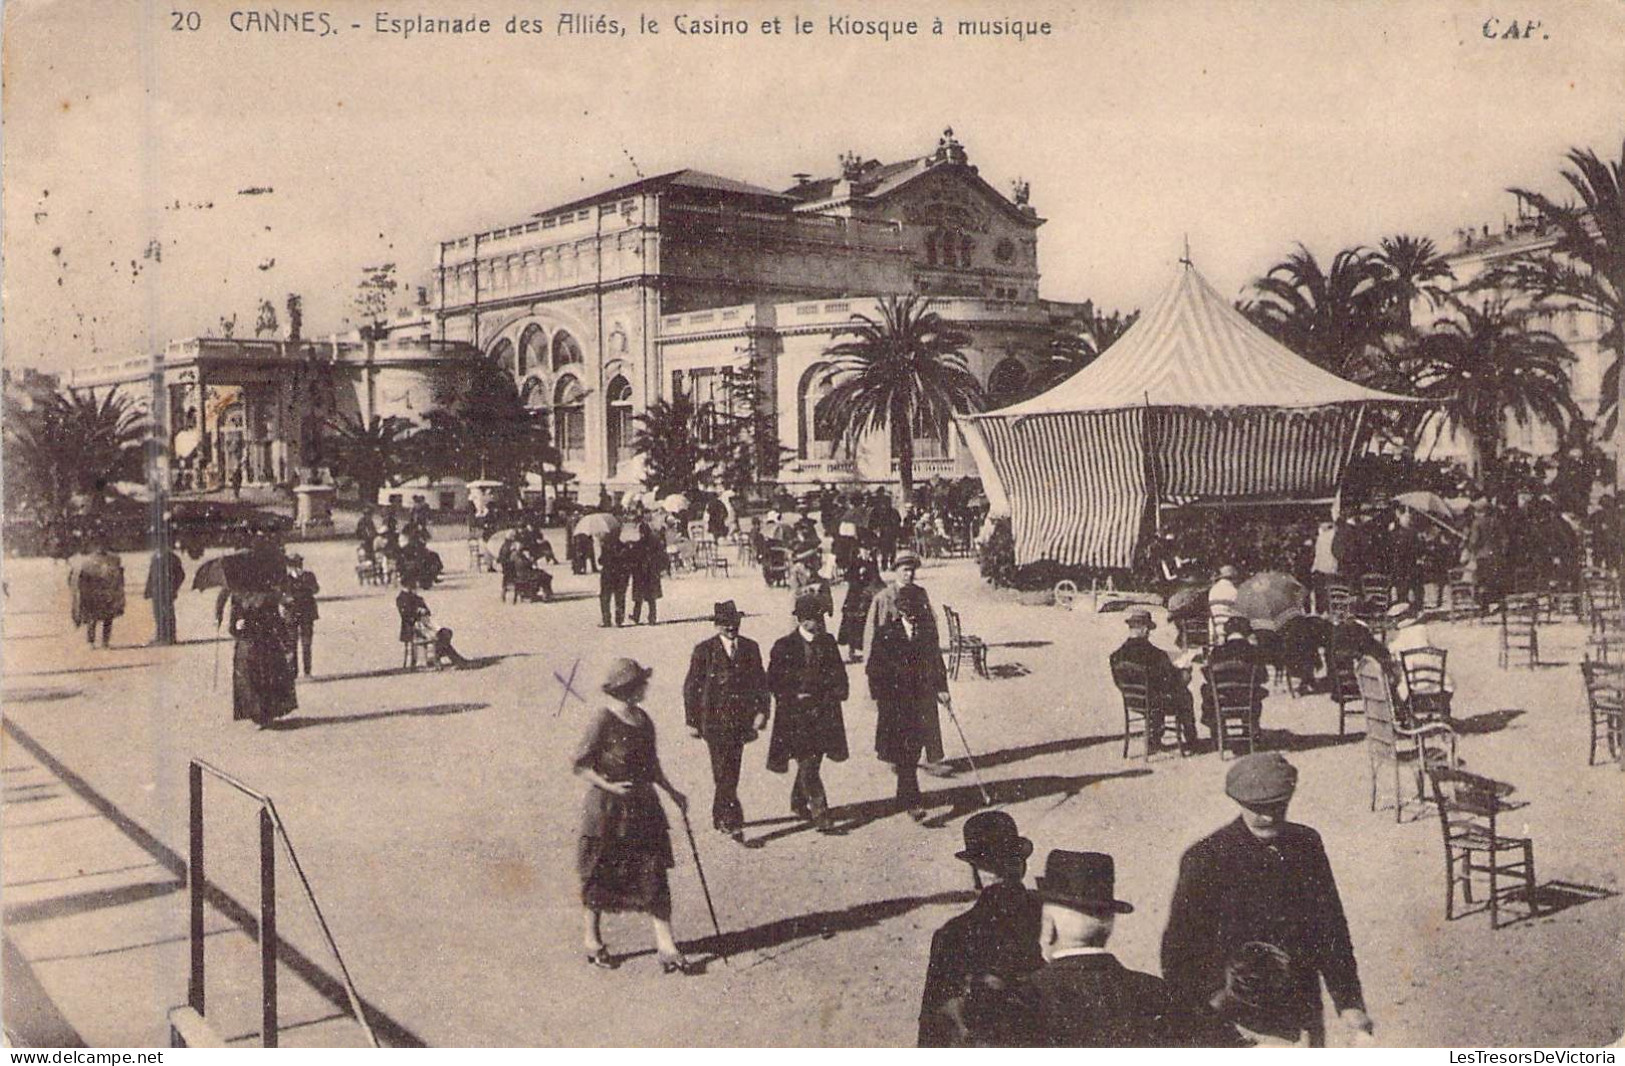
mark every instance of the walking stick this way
{"type": "Point", "coordinates": [694, 849]}
{"type": "Point", "coordinates": [214, 684]}
{"type": "Point", "coordinates": [954, 718]}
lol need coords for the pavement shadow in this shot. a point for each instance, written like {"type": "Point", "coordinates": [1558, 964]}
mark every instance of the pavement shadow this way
{"type": "Point", "coordinates": [1488, 722]}
{"type": "Point", "coordinates": [1286, 740]}
{"type": "Point", "coordinates": [1022, 644]}
{"type": "Point", "coordinates": [85, 902]}
{"type": "Point", "coordinates": [82, 670]}
{"type": "Point", "coordinates": [945, 805]}
{"type": "Point", "coordinates": [819, 924]}
{"type": "Point", "coordinates": [39, 695]}
{"type": "Point", "coordinates": [1006, 671]}
{"type": "Point", "coordinates": [1546, 900]}
{"type": "Point", "coordinates": [1031, 751]}
{"type": "Point", "coordinates": [438, 710]}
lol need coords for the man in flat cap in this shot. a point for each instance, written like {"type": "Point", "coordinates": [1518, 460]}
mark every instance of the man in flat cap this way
{"type": "Point", "coordinates": [977, 958]}
{"type": "Point", "coordinates": [1263, 879]}
{"type": "Point", "coordinates": [725, 702]}
{"type": "Point", "coordinates": [1084, 997]}
{"type": "Point", "coordinates": [1168, 688]}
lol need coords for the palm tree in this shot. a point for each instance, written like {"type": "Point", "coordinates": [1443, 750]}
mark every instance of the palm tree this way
{"type": "Point", "coordinates": [1331, 317]}
{"type": "Point", "coordinates": [371, 451]}
{"type": "Point", "coordinates": [1414, 268]}
{"type": "Point", "coordinates": [1585, 269]}
{"type": "Point", "coordinates": [71, 443]}
{"type": "Point", "coordinates": [1486, 365]}
{"type": "Point", "coordinates": [1071, 352]}
{"type": "Point", "coordinates": [898, 372]}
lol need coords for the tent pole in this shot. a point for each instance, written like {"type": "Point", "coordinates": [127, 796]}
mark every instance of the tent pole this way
{"type": "Point", "coordinates": [1354, 442]}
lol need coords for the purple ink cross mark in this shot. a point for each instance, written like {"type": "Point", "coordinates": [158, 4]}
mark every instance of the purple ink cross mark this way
{"type": "Point", "coordinates": [568, 685]}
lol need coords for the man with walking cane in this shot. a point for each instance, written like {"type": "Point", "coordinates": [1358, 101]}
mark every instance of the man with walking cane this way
{"type": "Point", "coordinates": [908, 681]}
{"type": "Point", "coordinates": [725, 702]}
{"type": "Point", "coordinates": [809, 684]}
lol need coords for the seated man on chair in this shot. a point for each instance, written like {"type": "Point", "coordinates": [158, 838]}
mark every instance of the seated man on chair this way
{"type": "Point", "coordinates": [1236, 647]}
{"type": "Point", "coordinates": [1168, 686]}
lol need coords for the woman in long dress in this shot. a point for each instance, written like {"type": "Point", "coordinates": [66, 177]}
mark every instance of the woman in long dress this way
{"type": "Point", "coordinates": [863, 580]}
{"type": "Point", "coordinates": [625, 846]}
{"type": "Point", "coordinates": [262, 673]}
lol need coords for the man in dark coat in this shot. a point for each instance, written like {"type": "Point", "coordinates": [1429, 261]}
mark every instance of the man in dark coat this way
{"type": "Point", "coordinates": [725, 702]}
{"type": "Point", "coordinates": [1262, 878]}
{"type": "Point", "coordinates": [1084, 997]}
{"type": "Point", "coordinates": [1168, 686]}
{"type": "Point", "coordinates": [299, 608]}
{"type": "Point", "coordinates": [888, 525]}
{"type": "Point", "coordinates": [907, 681]}
{"type": "Point", "coordinates": [808, 682]}
{"type": "Point", "coordinates": [978, 957]}
{"type": "Point", "coordinates": [614, 575]}
{"type": "Point", "coordinates": [1237, 647]}
{"type": "Point", "coordinates": [164, 578]}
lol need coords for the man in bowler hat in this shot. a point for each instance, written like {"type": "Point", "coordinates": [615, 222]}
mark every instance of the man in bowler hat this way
{"type": "Point", "coordinates": [725, 701]}
{"type": "Point", "coordinates": [1084, 997]}
{"type": "Point", "coordinates": [1167, 686]}
{"type": "Point", "coordinates": [808, 682]}
{"type": "Point", "coordinates": [907, 681]}
{"type": "Point", "coordinates": [977, 958]}
{"type": "Point", "coordinates": [1263, 879]}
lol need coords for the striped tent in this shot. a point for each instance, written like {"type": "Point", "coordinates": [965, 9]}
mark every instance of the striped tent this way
{"type": "Point", "coordinates": [1193, 401]}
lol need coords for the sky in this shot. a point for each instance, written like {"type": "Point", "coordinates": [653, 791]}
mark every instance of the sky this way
{"type": "Point", "coordinates": [137, 155]}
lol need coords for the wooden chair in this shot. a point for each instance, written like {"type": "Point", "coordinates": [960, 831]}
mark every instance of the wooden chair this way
{"type": "Point", "coordinates": [1340, 600]}
{"type": "Point", "coordinates": [962, 644]}
{"type": "Point", "coordinates": [1605, 700]}
{"type": "Point", "coordinates": [1520, 634]}
{"type": "Point", "coordinates": [1345, 692]}
{"type": "Point", "coordinates": [1426, 697]}
{"type": "Point", "coordinates": [776, 565]}
{"type": "Point", "coordinates": [367, 570]}
{"type": "Point", "coordinates": [1235, 688]}
{"type": "Point", "coordinates": [1135, 688]}
{"type": "Point", "coordinates": [420, 649]}
{"type": "Point", "coordinates": [1391, 744]}
{"type": "Point", "coordinates": [1469, 806]}
{"type": "Point", "coordinates": [1606, 647]}
{"type": "Point", "coordinates": [476, 554]}
{"type": "Point", "coordinates": [1376, 593]}
{"type": "Point", "coordinates": [1461, 600]}
{"type": "Point", "coordinates": [1194, 632]}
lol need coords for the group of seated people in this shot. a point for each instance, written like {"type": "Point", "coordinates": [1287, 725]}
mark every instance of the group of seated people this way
{"type": "Point", "coordinates": [521, 560]}
{"type": "Point", "coordinates": [1310, 649]}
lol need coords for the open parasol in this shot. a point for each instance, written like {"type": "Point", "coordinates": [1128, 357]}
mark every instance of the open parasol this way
{"type": "Point", "coordinates": [598, 524]}
{"type": "Point", "coordinates": [1270, 597]}
{"type": "Point", "coordinates": [676, 503]}
{"type": "Point", "coordinates": [1191, 599]}
{"type": "Point", "coordinates": [239, 572]}
{"type": "Point", "coordinates": [1432, 506]}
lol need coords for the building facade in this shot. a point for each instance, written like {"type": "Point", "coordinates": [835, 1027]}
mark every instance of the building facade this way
{"type": "Point", "coordinates": [602, 306]}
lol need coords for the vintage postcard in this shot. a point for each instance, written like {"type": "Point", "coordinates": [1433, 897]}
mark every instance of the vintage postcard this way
{"type": "Point", "coordinates": [803, 523]}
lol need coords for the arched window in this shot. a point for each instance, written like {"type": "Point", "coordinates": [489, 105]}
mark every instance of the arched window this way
{"type": "Point", "coordinates": [570, 418]}
{"type": "Point", "coordinates": [532, 349]}
{"type": "Point", "coordinates": [502, 354]}
{"type": "Point", "coordinates": [619, 399]}
{"type": "Point", "coordinates": [816, 433]}
{"type": "Point", "coordinates": [533, 393]}
{"type": "Point", "coordinates": [1006, 384]}
{"type": "Point", "coordinates": [565, 350]}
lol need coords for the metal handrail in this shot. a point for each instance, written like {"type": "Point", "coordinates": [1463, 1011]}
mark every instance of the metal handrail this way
{"type": "Point", "coordinates": [271, 826]}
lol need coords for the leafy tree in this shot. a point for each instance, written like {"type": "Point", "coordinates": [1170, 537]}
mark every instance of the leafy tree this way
{"type": "Point", "coordinates": [744, 430]}
{"type": "Point", "coordinates": [1414, 270]}
{"type": "Point", "coordinates": [1334, 317]}
{"type": "Point", "coordinates": [296, 316]}
{"type": "Point", "coordinates": [1070, 352]}
{"type": "Point", "coordinates": [897, 372]}
{"type": "Point", "coordinates": [1484, 365]}
{"type": "Point", "coordinates": [70, 443]}
{"type": "Point", "coordinates": [228, 326]}
{"type": "Point", "coordinates": [1585, 268]}
{"type": "Point", "coordinates": [487, 433]}
{"type": "Point", "coordinates": [373, 296]}
{"type": "Point", "coordinates": [669, 437]}
{"type": "Point", "coordinates": [371, 452]}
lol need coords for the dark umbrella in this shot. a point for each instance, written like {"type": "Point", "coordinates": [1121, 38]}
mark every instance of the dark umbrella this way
{"type": "Point", "coordinates": [1191, 599]}
{"type": "Point", "coordinates": [239, 572]}
{"type": "Point", "coordinates": [1271, 597]}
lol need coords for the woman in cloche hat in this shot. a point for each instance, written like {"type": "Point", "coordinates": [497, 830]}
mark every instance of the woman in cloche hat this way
{"type": "Point", "coordinates": [625, 846]}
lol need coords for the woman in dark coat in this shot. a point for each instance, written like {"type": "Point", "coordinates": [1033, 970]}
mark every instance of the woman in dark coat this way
{"type": "Point", "coordinates": [262, 673]}
{"type": "Point", "coordinates": [624, 849]}
{"type": "Point", "coordinates": [808, 682]}
{"type": "Point", "coordinates": [863, 580]}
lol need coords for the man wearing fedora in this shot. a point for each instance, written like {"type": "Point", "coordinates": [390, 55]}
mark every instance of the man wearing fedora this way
{"type": "Point", "coordinates": [978, 957]}
{"type": "Point", "coordinates": [1168, 687]}
{"type": "Point", "coordinates": [725, 702]}
{"type": "Point", "coordinates": [1084, 997]}
{"type": "Point", "coordinates": [1263, 879]}
{"type": "Point", "coordinates": [809, 683]}
{"type": "Point", "coordinates": [907, 681]}
{"type": "Point", "coordinates": [883, 609]}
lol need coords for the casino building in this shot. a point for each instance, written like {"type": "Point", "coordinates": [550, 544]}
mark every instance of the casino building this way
{"type": "Point", "coordinates": [603, 305]}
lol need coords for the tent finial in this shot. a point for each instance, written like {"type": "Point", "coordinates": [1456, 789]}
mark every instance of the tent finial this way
{"type": "Point", "coordinates": [1187, 257]}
